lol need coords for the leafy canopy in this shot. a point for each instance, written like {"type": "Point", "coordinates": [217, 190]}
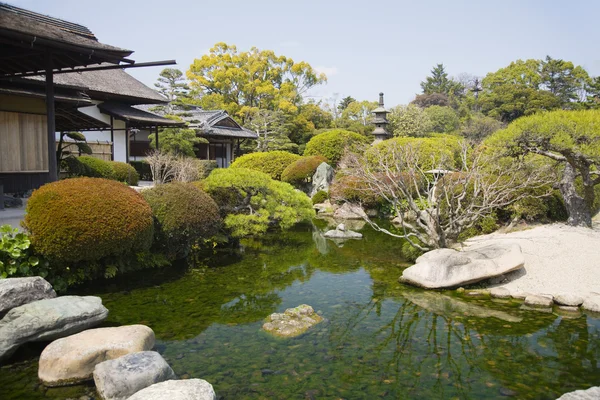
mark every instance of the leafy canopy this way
{"type": "Point", "coordinates": [251, 201]}
{"type": "Point", "coordinates": [177, 141]}
{"type": "Point", "coordinates": [272, 163]}
{"type": "Point", "coordinates": [332, 144]}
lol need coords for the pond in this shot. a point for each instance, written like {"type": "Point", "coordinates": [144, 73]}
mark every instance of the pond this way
{"type": "Point", "coordinates": [380, 339]}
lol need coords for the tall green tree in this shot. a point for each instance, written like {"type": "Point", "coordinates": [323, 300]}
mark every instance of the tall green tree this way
{"type": "Point", "coordinates": [563, 79]}
{"type": "Point", "coordinates": [243, 82]}
{"type": "Point", "coordinates": [408, 120]}
{"type": "Point", "coordinates": [270, 126]}
{"type": "Point", "coordinates": [570, 138]}
{"type": "Point", "coordinates": [171, 84]}
{"type": "Point", "coordinates": [177, 141]}
{"type": "Point", "coordinates": [439, 82]}
{"type": "Point", "coordinates": [345, 102]}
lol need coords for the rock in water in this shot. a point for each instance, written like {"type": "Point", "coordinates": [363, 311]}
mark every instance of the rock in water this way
{"type": "Point", "coordinates": [120, 378]}
{"type": "Point", "coordinates": [189, 389]}
{"type": "Point", "coordinates": [73, 359]}
{"type": "Point", "coordinates": [568, 299]}
{"type": "Point", "coordinates": [350, 211]}
{"type": "Point", "coordinates": [15, 292]}
{"type": "Point", "coordinates": [49, 319]}
{"type": "Point", "coordinates": [342, 233]}
{"type": "Point", "coordinates": [535, 300]}
{"type": "Point", "coordinates": [445, 268]}
{"type": "Point", "coordinates": [592, 393]}
{"type": "Point", "coordinates": [293, 322]}
{"type": "Point", "coordinates": [322, 178]}
{"type": "Point", "coordinates": [592, 303]}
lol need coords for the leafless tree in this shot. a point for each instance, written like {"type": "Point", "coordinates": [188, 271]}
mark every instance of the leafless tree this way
{"type": "Point", "coordinates": [433, 204]}
{"type": "Point", "coordinates": [167, 167]}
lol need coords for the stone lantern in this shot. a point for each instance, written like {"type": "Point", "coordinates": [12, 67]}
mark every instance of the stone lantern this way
{"type": "Point", "coordinates": [380, 122]}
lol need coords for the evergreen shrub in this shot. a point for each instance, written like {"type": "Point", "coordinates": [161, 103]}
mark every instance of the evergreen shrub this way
{"type": "Point", "coordinates": [272, 163]}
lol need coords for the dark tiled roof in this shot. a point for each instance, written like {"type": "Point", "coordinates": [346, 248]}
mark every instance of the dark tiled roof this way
{"type": "Point", "coordinates": [112, 84]}
{"type": "Point", "coordinates": [26, 35]}
{"type": "Point", "coordinates": [135, 117]}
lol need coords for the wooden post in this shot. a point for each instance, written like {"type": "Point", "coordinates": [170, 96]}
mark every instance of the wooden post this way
{"type": "Point", "coordinates": [126, 142]}
{"type": "Point", "coordinates": [50, 120]}
{"type": "Point", "coordinates": [156, 136]}
{"type": "Point", "coordinates": [112, 139]}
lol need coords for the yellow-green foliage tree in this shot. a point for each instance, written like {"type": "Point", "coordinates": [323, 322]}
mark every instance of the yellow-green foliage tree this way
{"type": "Point", "coordinates": [243, 82]}
{"type": "Point", "coordinates": [272, 163]}
{"type": "Point", "coordinates": [251, 202]}
{"type": "Point", "coordinates": [571, 138]}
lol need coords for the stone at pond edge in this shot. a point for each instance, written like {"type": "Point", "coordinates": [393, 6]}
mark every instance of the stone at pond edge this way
{"type": "Point", "coordinates": [189, 389]}
{"type": "Point", "coordinates": [15, 292]}
{"type": "Point", "coordinates": [444, 268]}
{"type": "Point", "coordinates": [322, 178]}
{"type": "Point", "coordinates": [342, 233]}
{"type": "Point", "coordinates": [292, 322]}
{"type": "Point", "coordinates": [49, 319]}
{"type": "Point", "coordinates": [349, 211]}
{"type": "Point", "coordinates": [500, 293]}
{"type": "Point", "coordinates": [592, 393]}
{"type": "Point", "coordinates": [122, 377]}
{"type": "Point", "coordinates": [72, 359]}
{"type": "Point", "coordinates": [534, 300]}
{"type": "Point", "coordinates": [592, 303]}
{"type": "Point", "coordinates": [568, 299]}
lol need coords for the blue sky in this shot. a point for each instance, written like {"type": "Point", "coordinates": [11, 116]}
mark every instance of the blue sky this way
{"type": "Point", "coordinates": [363, 46]}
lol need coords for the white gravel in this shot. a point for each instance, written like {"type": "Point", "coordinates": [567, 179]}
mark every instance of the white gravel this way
{"type": "Point", "coordinates": [559, 259]}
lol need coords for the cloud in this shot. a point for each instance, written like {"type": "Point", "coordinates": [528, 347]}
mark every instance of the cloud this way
{"type": "Point", "coordinates": [328, 71]}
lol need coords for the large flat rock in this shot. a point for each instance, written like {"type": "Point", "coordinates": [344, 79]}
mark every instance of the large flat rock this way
{"type": "Point", "coordinates": [15, 292]}
{"type": "Point", "coordinates": [293, 322]}
{"type": "Point", "coordinates": [73, 359]}
{"type": "Point", "coordinates": [444, 268]}
{"type": "Point", "coordinates": [189, 389]}
{"type": "Point", "coordinates": [48, 319]}
{"type": "Point", "coordinates": [350, 211]}
{"type": "Point", "coordinates": [592, 393]}
{"type": "Point", "coordinates": [122, 377]}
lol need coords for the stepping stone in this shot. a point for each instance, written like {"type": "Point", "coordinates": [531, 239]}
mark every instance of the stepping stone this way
{"type": "Point", "coordinates": [568, 299]}
{"type": "Point", "coordinates": [73, 359]}
{"type": "Point", "coordinates": [48, 319]}
{"type": "Point", "coordinates": [534, 301]}
{"type": "Point", "coordinates": [189, 389]}
{"type": "Point", "coordinates": [592, 303]}
{"type": "Point", "coordinates": [500, 293]}
{"type": "Point", "coordinates": [293, 322]}
{"type": "Point", "coordinates": [122, 377]}
{"type": "Point", "coordinates": [15, 292]}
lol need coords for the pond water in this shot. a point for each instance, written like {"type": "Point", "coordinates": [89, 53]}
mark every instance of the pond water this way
{"type": "Point", "coordinates": [380, 339]}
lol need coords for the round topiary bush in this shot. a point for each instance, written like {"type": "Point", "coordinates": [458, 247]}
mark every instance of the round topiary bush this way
{"type": "Point", "coordinates": [302, 169]}
{"type": "Point", "coordinates": [320, 197]}
{"type": "Point", "coordinates": [332, 144]}
{"type": "Point", "coordinates": [184, 215]}
{"type": "Point", "coordinates": [124, 172]}
{"type": "Point", "coordinates": [271, 163]}
{"type": "Point", "coordinates": [97, 168]}
{"type": "Point", "coordinates": [86, 219]}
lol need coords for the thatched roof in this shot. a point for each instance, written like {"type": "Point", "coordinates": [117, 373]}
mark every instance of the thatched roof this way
{"type": "Point", "coordinates": [135, 117]}
{"type": "Point", "coordinates": [112, 84]}
{"type": "Point", "coordinates": [26, 36]}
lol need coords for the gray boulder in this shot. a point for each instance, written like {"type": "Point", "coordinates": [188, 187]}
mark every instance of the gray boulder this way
{"type": "Point", "coordinates": [15, 292]}
{"type": "Point", "coordinates": [48, 319]}
{"type": "Point", "coordinates": [592, 393]}
{"type": "Point", "coordinates": [120, 378]}
{"type": "Point", "coordinates": [293, 322]}
{"type": "Point", "coordinates": [322, 178]}
{"type": "Point", "coordinates": [592, 303]}
{"type": "Point", "coordinates": [189, 389]}
{"type": "Point", "coordinates": [443, 268]}
{"type": "Point", "coordinates": [350, 211]}
{"type": "Point", "coordinates": [73, 359]}
{"type": "Point", "coordinates": [342, 233]}
{"type": "Point", "coordinates": [568, 299]}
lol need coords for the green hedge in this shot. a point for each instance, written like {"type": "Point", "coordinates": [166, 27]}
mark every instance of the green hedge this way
{"type": "Point", "coordinates": [124, 172]}
{"type": "Point", "coordinates": [272, 163]}
{"type": "Point", "coordinates": [302, 170]}
{"type": "Point", "coordinates": [97, 168]}
{"type": "Point", "coordinates": [183, 214]}
{"type": "Point", "coordinates": [332, 144]}
{"type": "Point", "coordinates": [87, 219]}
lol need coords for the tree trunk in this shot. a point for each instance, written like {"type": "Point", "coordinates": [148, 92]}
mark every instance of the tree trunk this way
{"type": "Point", "coordinates": [577, 208]}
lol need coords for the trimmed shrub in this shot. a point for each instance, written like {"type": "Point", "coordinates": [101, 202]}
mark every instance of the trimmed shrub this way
{"type": "Point", "coordinates": [302, 170]}
{"type": "Point", "coordinates": [251, 202]}
{"type": "Point", "coordinates": [320, 197]}
{"type": "Point", "coordinates": [124, 172]}
{"type": "Point", "coordinates": [352, 189]}
{"type": "Point", "coordinates": [97, 168]}
{"type": "Point", "coordinates": [271, 163]}
{"type": "Point", "coordinates": [143, 169]}
{"type": "Point", "coordinates": [332, 144]}
{"type": "Point", "coordinates": [73, 167]}
{"type": "Point", "coordinates": [86, 219]}
{"type": "Point", "coordinates": [183, 216]}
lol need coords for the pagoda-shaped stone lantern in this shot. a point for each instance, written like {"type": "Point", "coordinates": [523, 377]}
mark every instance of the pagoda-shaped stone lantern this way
{"type": "Point", "coordinates": [380, 122]}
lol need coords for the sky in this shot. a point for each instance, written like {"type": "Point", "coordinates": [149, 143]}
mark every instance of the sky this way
{"type": "Point", "coordinates": [364, 47]}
